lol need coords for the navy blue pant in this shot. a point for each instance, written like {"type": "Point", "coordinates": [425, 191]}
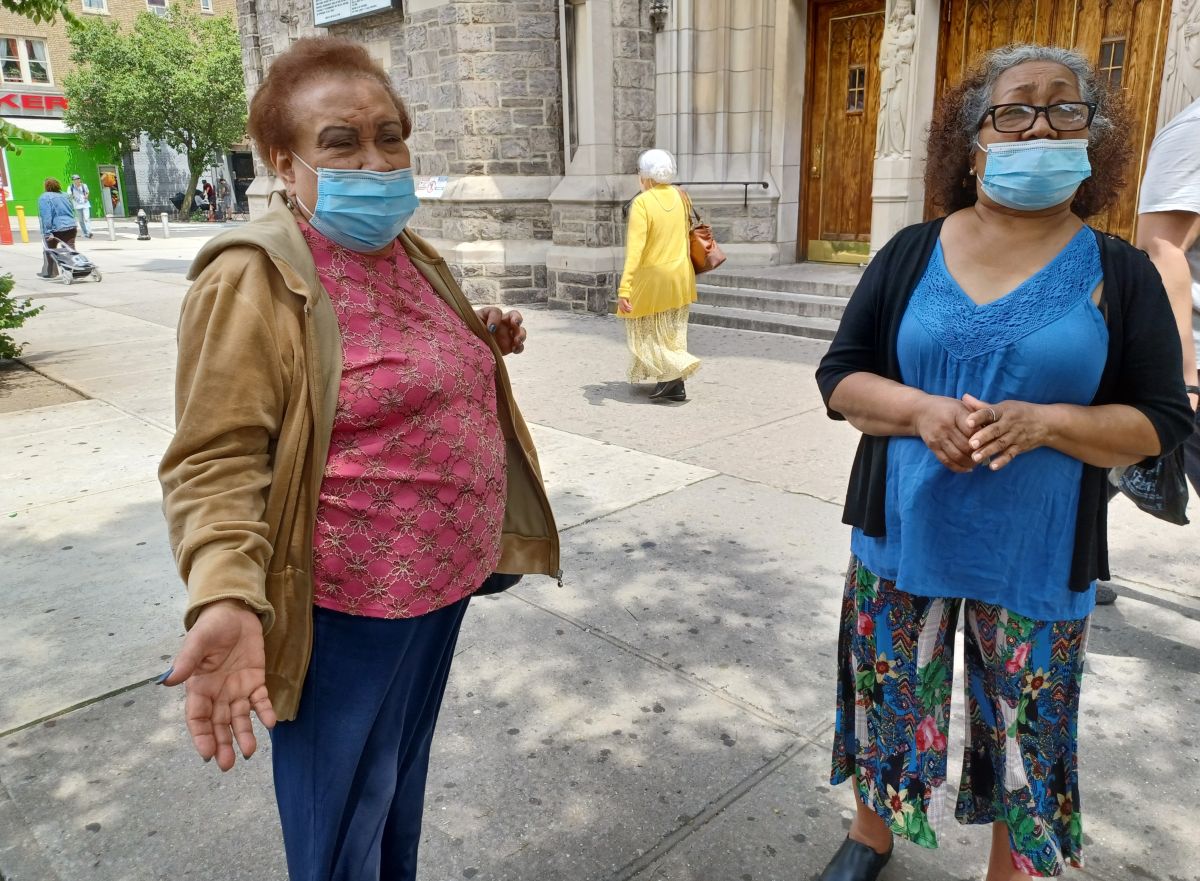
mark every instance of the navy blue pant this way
{"type": "Point", "coordinates": [350, 769]}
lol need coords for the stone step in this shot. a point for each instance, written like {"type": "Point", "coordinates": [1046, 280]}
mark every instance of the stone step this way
{"type": "Point", "coordinates": [764, 322]}
{"type": "Point", "coordinates": [781, 302]}
{"type": "Point", "coordinates": [822, 281]}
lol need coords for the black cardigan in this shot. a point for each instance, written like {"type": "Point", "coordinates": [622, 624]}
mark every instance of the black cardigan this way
{"type": "Point", "coordinates": [1144, 369]}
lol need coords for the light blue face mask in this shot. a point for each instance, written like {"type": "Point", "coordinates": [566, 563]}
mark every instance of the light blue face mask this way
{"type": "Point", "coordinates": [1032, 175]}
{"type": "Point", "coordinates": [359, 209]}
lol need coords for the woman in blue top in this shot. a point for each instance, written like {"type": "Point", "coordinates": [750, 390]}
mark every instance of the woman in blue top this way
{"type": "Point", "coordinates": [998, 362]}
{"type": "Point", "coordinates": [56, 216]}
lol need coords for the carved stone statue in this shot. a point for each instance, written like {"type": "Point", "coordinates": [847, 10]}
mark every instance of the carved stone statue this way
{"type": "Point", "coordinates": [895, 67]}
{"type": "Point", "coordinates": [1181, 82]}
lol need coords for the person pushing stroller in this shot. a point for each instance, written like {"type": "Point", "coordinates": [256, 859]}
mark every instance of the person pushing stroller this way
{"type": "Point", "coordinates": [56, 216]}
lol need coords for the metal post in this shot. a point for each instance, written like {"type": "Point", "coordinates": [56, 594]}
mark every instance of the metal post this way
{"type": "Point", "coordinates": [112, 228]}
{"type": "Point", "coordinates": [21, 224]}
{"type": "Point", "coordinates": [166, 227]}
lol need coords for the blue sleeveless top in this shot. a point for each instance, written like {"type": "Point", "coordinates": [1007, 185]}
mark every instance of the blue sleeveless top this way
{"type": "Point", "coordinates": [1004, 537]}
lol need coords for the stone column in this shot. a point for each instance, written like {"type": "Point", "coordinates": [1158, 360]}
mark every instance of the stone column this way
{"type": "Point", "coordinates": [484, 90]}
{"type": "Point", "coordinates": [716, 96]}
{"type": "Point", "coordinates": [1181, 72]}
{"type": "Point", "coordinates": [614, 75]}
{"type": "Point", "coordinates": [908, 69]}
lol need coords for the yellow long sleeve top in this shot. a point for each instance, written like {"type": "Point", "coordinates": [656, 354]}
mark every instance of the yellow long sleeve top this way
{"type": "Point", "coordinates": [658, 272]}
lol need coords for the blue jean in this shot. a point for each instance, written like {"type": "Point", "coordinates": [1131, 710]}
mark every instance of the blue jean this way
{"type": "Point", "coordinates": [350, 769]}
{"type": "Point", "coordinates": [83, 214]}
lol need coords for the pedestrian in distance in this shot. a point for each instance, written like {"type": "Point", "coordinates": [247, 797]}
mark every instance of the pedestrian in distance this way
{"type": "Point", "coordinates": [225, 199]}
{"type": "Point", "coordinates": [81, 201]}
{"type": "Point", "coordinates": [1169, 231]}
{"type": "Point", "coordinates": [658, 283]}
{"type": "Point", "coordinates": [349, 467]}
{"type": "Point", "coordinates": [998, 361]}
{"type": "Point", "coordinates": [210, 198]}
{"type": "Point", "coordinates": [56, 217]}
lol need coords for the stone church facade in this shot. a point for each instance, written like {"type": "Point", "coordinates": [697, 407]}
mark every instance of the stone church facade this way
{"type": "Point", "coordinates": [797, 123]}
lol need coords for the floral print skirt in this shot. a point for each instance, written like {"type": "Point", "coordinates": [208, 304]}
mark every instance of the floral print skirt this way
{"type": "Point", "coordinates": [895, 672]}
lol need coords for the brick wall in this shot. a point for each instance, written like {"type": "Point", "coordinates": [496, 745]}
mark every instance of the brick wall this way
{"type": "Point", "coordinates": [58, 47]}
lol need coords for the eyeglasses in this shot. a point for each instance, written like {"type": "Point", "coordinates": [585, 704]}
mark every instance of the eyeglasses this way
{"type": "Point", "coordinates": [1070, 116]}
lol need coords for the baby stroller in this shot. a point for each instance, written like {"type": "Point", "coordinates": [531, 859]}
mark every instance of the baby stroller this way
{"type": "Point", "coordinates": [71, 264]}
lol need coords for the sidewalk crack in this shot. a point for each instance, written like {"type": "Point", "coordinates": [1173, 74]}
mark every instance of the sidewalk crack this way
{"type": "Point", "coordinates": [709, 812]}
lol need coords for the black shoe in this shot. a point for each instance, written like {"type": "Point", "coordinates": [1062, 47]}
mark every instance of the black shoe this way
{"type": "Point", "coordinates": [658, 389]}
{"type": "Point", "coordinates": [855, 862]}
{"type": "Point", "coordinates": [1105, 594]}
{"type": "Point", "coordinates": [673, 392]}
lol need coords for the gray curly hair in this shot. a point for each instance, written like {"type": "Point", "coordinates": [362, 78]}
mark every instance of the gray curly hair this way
{"type": "Point", "coordinates": [977, 100]}
{"type": "Point", "coordinates": [958, 112]}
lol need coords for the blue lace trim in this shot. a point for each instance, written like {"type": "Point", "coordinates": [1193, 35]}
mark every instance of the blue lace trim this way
{"type": "Point", "coordinates": [967, 330]}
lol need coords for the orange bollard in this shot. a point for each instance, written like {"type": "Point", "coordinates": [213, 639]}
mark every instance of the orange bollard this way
{"type": "Point", "coordinates": [5, 229]}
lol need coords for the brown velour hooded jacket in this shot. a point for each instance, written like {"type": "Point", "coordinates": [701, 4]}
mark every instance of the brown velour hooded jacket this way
{"type": "Point", "coordinates": [259, 370]}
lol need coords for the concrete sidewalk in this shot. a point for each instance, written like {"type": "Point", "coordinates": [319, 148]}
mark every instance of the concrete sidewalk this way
{"type": "Point", "coordinates": [666, 715]}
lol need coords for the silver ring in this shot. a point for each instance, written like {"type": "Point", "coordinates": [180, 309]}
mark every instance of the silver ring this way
{"type": "Point", "coordinates": [995, 418]}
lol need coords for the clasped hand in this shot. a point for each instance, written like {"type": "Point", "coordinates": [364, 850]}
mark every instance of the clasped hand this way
{"type": "Point", "coordinates": [967, 433]}
{"type": "Point", "coordinates": [505, 328]}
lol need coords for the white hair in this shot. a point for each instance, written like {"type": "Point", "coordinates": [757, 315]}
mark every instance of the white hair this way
{"type": "Point", "coordinates": [658, 166]}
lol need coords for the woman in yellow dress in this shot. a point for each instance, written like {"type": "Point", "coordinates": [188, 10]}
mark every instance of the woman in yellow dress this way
{"type": "Point", "coordinates": [658, 283]}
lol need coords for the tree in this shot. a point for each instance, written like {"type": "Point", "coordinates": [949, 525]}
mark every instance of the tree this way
{"type": "Point", "coordinates": [39, 11]}
{"type": "Point", "coordinates": [177, 78]}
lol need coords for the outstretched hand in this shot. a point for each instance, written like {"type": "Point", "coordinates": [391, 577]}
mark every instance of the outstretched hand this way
{"type": "Point", "coordinates": [223, 664]}
{"type": "Point", "coordinates": [505, 328]}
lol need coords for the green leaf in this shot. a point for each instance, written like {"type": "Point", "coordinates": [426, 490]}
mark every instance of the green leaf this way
{"type": "Point", "coordinates": [39, 10]}
{"type": "Point", "coordinates": [864, 680]}
{"type": "Point", "coordinates": [867, 582]}
{"type": "Point", "coordinates": [933, 683]}
{"type": "Point", "coordinates": [9, 133]}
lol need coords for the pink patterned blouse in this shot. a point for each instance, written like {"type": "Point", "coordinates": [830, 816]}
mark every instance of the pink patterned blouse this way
{"type": "Point", "coordinates": [412, 502]}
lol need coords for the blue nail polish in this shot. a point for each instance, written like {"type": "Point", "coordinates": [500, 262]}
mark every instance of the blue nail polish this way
{"type": "Point", "coordinates": [161, 679]}
{"type": "Point", "coordinates": [491, 328]}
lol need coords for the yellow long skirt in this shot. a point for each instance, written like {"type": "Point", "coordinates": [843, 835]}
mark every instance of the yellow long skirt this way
{"type": "Point", "coordinates": [658, 347]}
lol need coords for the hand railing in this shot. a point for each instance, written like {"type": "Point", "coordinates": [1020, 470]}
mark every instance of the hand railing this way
{"type": "Point", "coordinates": [744, 184]}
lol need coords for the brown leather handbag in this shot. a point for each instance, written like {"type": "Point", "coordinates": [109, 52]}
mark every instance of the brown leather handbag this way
{"type": "Point", "coordinates": [706, 254]}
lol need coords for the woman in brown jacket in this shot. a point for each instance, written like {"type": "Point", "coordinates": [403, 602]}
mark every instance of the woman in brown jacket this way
{"type": "Point", "coordinates": [349, 467]}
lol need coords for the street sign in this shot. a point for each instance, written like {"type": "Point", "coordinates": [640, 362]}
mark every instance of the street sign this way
{"type": "Point", "coordinates": [327, 12]}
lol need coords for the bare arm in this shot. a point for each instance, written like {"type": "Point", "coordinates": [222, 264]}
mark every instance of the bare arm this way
{"type": "Point", "coordinates": [886, 408]}
{"type": "Point", "coordinates": [1166, 236]}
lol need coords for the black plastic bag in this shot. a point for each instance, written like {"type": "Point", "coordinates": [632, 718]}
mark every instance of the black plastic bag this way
{"type": "Point", "coordinates": [1159, 489]}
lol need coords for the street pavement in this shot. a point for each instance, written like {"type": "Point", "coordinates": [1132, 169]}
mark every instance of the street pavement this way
{"type": "Point", "coordinates": [666, 715]}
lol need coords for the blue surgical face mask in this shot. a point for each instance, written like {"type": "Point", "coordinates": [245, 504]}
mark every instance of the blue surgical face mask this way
{"type": "Point", "coordinates": [1032, 175]}
{"type": "Point", "coordinates": [359, 209]}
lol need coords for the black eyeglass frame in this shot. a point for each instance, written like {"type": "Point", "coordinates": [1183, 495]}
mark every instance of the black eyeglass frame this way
{"type": "Point", "coordinates": [1039, 110]}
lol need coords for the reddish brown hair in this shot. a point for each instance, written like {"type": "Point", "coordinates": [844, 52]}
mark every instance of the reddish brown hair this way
{"type": "Point", "coordinates": [52, 185]}
{"type": "Point", "coordinates": [272, 117]}
{"type": "Point", "coordinates": [956, 124]}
